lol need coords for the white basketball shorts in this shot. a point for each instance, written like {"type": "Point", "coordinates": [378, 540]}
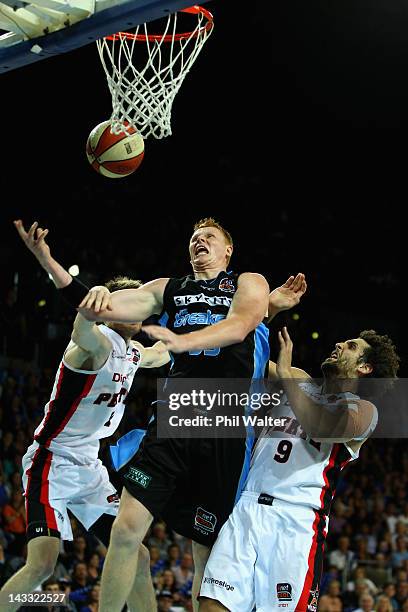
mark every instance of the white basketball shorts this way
{"type": "Point", "coordinates": [268, 555]}
{"type": "Point", "coordinates": [54, 484]}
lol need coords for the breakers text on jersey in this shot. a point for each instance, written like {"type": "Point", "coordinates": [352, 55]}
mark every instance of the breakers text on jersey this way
{"type": "Point", "coordinates": [196, 318]}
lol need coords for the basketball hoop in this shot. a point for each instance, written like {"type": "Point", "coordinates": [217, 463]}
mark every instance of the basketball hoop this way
{"type": "Point", "coordinates": [143, 85]}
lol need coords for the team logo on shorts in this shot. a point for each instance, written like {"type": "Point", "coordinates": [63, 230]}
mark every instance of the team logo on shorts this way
{"type": "Point", "coordinates": [284, 591]}
{"type": "Point", "coordinates": [204, 521]}
{"type": "Point", "coordinates": [227, 284]}
{"type": "Point", "coordinates": [112, 498]}
{"type": "Point", "coordinates": [314, 598]}
{"type": "Point", "coordinates": [138, 477]}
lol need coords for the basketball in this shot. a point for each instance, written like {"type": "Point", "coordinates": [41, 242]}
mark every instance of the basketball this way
{"type": "Point", "coordinates": [114, 155]}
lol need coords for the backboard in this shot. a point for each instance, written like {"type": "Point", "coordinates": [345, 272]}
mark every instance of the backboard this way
{"type": "Point", "coordinates": [35, 30]}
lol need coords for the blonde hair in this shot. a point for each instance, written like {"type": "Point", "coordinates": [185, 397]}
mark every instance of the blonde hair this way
{"type": "Point", "coordinates": [122, 282]}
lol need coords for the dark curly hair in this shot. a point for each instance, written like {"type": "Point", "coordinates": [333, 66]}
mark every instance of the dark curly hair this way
{"type": "Point", "coordinates": [381, 354]}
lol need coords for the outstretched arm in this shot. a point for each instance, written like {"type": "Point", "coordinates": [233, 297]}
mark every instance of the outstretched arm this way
{"type": "Point", "coordinates": [247, 311]}
{"type": "Point", "coordinates": [340, 422]}
{"type": "Point", "coordinates": [34, 240]}
{"type": "Point", "coordinates": [287, 296]}
{"type": "Point", "coordinates": [91, 348]}
{"type": "Point", "coordinates": [128, 305]}
{"type": "Point", "coordinates": [154, 356]}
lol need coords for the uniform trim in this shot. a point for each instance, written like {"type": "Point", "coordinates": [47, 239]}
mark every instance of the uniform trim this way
{"type": "Point", "coordinates": [64, 403]}
{"type": "Point", "coordinates": [261, 357]}
{"type": "Point", "coordinates": [38, 491]}
{"type": "Point", "coordinates": [315, 562]}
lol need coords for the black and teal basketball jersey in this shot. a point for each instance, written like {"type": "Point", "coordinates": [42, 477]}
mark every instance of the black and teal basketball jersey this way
{"type": "Point", "coordinates": [190, 305]}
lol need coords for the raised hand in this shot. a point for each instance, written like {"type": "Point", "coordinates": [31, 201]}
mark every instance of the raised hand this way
{"type": "Point", "coordinates": [98, 298]}
{"type": "Point", "coordinates": [173, 342]}
{"type": "Point", "coordinates": [288, 295]}
{"type": "Point", "coordinates": [284, 363]}
{"type": "Point", "coordinates": [34, 240]}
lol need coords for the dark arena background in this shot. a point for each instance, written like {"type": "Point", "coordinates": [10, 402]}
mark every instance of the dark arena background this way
{"type": "Point", "coordinates": [291, 130]}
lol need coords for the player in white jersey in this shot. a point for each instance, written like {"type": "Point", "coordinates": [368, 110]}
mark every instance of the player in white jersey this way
{"type": "Point", "coordinates": [269, 553]}
{"type": "Point", "coordinates": [61, 469]}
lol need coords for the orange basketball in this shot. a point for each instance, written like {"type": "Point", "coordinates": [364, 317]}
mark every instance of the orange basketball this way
{"type": "Point", "coordinates": [114, 155]}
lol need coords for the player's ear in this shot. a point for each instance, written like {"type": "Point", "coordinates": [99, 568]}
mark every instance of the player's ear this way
{"type": "Point", "coordinates": [230, 248]}
{"type": "Point", "coordinates": [364, 369]}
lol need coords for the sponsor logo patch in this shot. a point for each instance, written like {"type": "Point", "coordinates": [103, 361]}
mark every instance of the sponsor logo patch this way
{"type": "Point", "coordinates": [135, 357]}
{"type": "Point", "coordinates": [284, 591]}
{"type": "Point", "coordinates": [204, 521]}
{"type": "Point", "coordinates": [216, 300]}
{"type": "Point", "coordinates": [112, 498]}
{"type": "Point", "coordinates": [227, 284]}
{"type": "Point", "coordinates": [138, 477]}
{"type": "Point", "coordinates": [220, 583]}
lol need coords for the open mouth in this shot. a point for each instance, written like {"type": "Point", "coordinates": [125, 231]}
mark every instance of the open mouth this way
{"type": "Point", "coordinates": [200, 250]}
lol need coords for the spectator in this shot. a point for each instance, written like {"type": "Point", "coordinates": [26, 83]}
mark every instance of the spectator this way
{"type": "Point", "coordinates": [362, 553]}
{"type": "Point", "coordinates": [174, 556]}
{"type": "Point", "coordinates": [93, 600]}
{"type": "Point", "coordinates": [331, 574]}
{"type": "Point", "coordinates": [79, 577]}
{"type": "Point", "coordinates": [94, 566]}
{"type": "Point", "coordinates": [360, 575]}
{"type": "Point", "coordinates": [184, 572]}
{"type": "Point", "coordinates": [342, 557]}
{"type": "Point", "coordinates": [156, 563]}
{"type": "Point", "coordinates": [331, 602]}
{"type": "Point", "coordinates": [78, 553]}
{"type": "Point", "coordinates": [159, 538]}
{"type": "Point", "coordinates": [164, 601]}
{"type": "Point", "coordinates": [390, 591]}
{"type": "Point", "coordinates": [167, 581]}
{"type": "Point", "coordinates": [401, 595]}
{"type": "Point", "coordinates": [366, 603]}
{"type": "Point", "coordinates": [401, 553]}
{"type": "Point", "coordinates": [383, 604]}
{"type": "Point", "coordinates": [403, 517]}
{"type": "Point", "coordinates": [15, 522]}
{"type": "Point", "coordinates": [391, 517]}
{"type": "Point", "coordinates": [400, 531]}
{"type": "Point", "coordinates": [353, 597]}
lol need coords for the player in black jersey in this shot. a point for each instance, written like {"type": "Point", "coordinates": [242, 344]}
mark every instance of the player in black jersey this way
{"type": "Point", "coordinates": [214, 328]}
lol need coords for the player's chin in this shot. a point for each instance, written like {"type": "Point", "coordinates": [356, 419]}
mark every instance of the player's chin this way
{"type": "Point", "coordinates": [329, 365]}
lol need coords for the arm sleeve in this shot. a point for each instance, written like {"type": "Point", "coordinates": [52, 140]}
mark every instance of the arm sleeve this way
{"type": "Point", "coordinates": [74, 293]}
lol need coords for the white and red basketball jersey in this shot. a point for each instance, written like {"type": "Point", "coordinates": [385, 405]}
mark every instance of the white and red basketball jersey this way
{"type": "Point", "coordinates": [290, 466]}
{"type": "Point", "coordinates": [86, 406]}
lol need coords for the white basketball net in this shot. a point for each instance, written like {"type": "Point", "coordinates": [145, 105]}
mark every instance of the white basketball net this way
{"type": "Point", "coordinates": [145, 72]}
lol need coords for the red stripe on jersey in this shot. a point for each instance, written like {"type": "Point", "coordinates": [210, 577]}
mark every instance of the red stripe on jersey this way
{"type": "Point", "coordinates": [57, 392]}
{"type": "Point", "coordinates": [307, 585]}
{"type": "Point", "coordinates": [329, 466]}
{"type": "Point", "coordinates": [28, 472]}
{"type": "Point", "coordinates": [87, 387]}
{"type": "Point", "coordinates": [45, 494]}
